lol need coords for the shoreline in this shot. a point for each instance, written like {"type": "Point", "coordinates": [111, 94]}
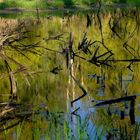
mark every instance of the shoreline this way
{"type": "Point", "coordinates": [76, 7]}
{"type": "Point", "coordinates": [67, 9]}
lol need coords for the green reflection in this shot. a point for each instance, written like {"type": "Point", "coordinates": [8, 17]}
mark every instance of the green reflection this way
{"type": "Point", "coordinates": [49, 92]}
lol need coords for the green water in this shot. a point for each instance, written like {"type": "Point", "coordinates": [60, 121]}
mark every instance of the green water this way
{"type": "Point", "coordinates": [46, 81]}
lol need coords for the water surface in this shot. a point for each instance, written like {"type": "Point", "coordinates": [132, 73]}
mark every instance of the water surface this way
{"type": "Point", "coordinates": [70, 76]}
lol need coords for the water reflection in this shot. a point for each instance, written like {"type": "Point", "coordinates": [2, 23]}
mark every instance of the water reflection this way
{"type": "Point", "coordinates": [70, 66]}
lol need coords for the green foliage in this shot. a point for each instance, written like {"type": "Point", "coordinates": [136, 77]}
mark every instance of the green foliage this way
{"type": "Point", "coordinates": [20, 4]}
{"type": "Point", "coordinates": [44, 4]}
{"type": "Point", "coordinates": [3, 5]}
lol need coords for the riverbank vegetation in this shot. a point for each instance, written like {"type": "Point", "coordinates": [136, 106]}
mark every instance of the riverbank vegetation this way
{"type": "Point", "coordinates": [45, 4]}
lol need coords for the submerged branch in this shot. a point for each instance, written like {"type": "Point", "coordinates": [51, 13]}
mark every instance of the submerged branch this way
{"type": "Point", "coordinates": [81, 87]}
{"type": "Point", "coordinates": [132, 111]}
{"type": "Point", "coordinates": [112, 101]}
{"type": "Point", "coordinates": [84, 45]}
{"type": "Point", "coordinates": [57, 37]}
{"type": "Point", "coordinates": [121, 60]}
{"type": "Point", "coordinates": [10, 126]}
{"type": "Point", "coordinates": [74, 112]}
{"type": "Point", "coordinates": [114, 26]}
{"type": "Point", "coordinates": [12, 81]}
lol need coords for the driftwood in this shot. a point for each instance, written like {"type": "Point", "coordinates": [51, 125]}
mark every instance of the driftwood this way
{"type": "Point", "coordinates": [4, 112]}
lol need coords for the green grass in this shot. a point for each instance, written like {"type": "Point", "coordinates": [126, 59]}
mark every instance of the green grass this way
{"type": "Point", "coordinates": [21, 4]}
{"type": "Point", "coordinates": [44, 4]}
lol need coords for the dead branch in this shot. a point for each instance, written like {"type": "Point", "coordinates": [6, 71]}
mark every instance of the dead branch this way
{"type": "Point", "coordinates": [112, 101]}
{"type": "Point", "coordinates": [81, 87]}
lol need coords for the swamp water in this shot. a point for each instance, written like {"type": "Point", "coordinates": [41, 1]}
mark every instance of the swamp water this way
{"type": "Point", "coordinates": [70, 76]}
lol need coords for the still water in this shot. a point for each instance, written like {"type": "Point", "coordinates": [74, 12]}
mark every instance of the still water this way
{"type": "Point", "coordinates": [70, 76]}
